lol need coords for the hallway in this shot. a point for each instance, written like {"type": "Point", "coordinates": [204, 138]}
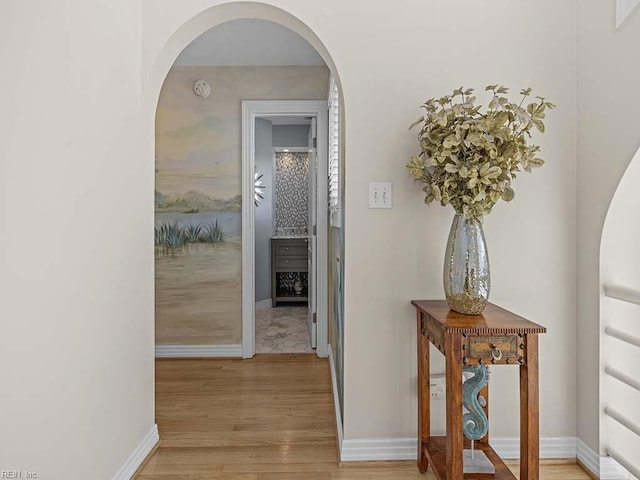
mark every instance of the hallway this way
{"type": "Point", "coordinates": [269, 418]}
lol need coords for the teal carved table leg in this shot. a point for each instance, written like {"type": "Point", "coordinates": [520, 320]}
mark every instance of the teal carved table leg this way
{"type": "Point", "coordinates": [475, 424]}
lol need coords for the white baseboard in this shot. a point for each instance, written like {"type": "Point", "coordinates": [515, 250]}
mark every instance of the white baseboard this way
{"type": "Point", "coordinates": [138, 455]}
{"type": "Point", "coordinates": [263, 304]}
{"type": "Point", "coordinates": [199, 351]}
{"type": "Point", "coordinates": [406, 448]}
{"type": "Point", "coordinates": [336, 401]}
{"type": "Point", "coordinates": [355, 450]}
{"type": "Point", "coordinates": [550, 447]}
{"type": "Point", "coordinates": [612, 470]}
{"type": "Point", "coordinates": [600, 466]}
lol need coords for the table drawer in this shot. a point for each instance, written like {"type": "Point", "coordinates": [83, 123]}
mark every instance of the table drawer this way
{"type": "Point", "coordinates": [493, 349]}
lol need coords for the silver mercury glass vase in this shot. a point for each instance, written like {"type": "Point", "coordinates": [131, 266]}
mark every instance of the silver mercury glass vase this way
{"type": "Point", "coordinates": [466, 267]}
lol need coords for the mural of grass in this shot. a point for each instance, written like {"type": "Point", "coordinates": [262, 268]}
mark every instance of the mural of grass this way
{"type": "Point", "coordinates": [213, 233]}
{"type": "Point", "coordinates": [192, 233]}
{"type": "Point", "coordinates": [172, 236]}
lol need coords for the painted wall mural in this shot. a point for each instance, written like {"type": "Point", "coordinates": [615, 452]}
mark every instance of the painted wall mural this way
{"type": "Point", "coordinates": [198, 195]}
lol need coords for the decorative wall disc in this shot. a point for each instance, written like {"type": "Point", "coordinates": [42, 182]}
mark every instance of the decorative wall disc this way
{"type": "Point", "coordinates": [258, 194]}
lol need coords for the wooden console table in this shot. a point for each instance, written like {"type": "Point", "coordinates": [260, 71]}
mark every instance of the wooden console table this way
{"type": "Point", "coordinates": [495, 337]}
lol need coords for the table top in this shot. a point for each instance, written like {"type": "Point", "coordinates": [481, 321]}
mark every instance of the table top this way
{"type": "Point", "coordinates": [494, 320]}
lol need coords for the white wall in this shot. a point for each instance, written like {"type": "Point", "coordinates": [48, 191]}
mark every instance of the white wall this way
{"type": "Point", "coordinates": [76, 154]}
{"type": "Point", "coordinates": [76, 224]}
{"type": "Point", "coordinates": [608, 112]}
{"type": "Point", "coordinates": [384, 78]}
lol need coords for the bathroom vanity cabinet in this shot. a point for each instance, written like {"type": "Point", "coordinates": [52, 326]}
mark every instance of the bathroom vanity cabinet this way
{"type": "Point", "coordinates": [289, 257]}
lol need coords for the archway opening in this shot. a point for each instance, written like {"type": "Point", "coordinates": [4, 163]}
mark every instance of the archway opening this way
{"type": "Point", "coordinates": [620, 329]}
{"type": "Point", "coordinates": [158, 76]}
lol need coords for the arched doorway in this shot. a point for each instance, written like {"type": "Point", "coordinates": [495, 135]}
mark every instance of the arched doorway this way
{"type": "Point", "coordinates": [620, 329]}
{"type": "Point", "coordinates": [182, 37]}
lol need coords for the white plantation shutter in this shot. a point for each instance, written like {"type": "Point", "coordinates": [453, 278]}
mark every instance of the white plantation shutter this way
{"type": "Point", "coordinates": [334, 154]}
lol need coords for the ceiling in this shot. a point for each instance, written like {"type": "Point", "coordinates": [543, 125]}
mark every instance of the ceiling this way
{"type": "Point", "coordinates": [249, 42]}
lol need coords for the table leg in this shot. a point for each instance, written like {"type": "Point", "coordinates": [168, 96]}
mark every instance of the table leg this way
{"type": "Point", "coordinates": [485, 394]}
{"type": "Point", "coordinates": [529, 415]}
{"type": "Point", "coordinates": [424, 396]}
{"type": "Point", "coordinates": [454, 445]}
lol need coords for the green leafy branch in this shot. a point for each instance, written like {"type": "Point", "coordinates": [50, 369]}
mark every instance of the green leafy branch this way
{"type": "Point", "coordinates": [468, 158]}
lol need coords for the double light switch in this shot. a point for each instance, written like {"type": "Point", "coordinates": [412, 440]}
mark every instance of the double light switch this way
{"type": "Point", "coordinates": [380, 195]}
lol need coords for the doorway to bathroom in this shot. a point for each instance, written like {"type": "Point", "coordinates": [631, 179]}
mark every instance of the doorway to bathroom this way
{"type": "Point", "coordinates": [284, 217]}
{"type": "Point", "coordinates": [284, 258]}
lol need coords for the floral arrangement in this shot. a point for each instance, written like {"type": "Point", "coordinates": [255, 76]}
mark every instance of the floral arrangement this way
{"type": "Point", "coordinates": [468, 158]}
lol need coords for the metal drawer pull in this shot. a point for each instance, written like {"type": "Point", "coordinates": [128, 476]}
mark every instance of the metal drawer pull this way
{"type": "Point", "coordinates": [496, 353]}
{"type": "Point", "coordinates": [286, 249]}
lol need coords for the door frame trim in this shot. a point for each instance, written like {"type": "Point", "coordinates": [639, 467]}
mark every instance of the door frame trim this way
{"type": "Point", "coordinates": [252, 109]}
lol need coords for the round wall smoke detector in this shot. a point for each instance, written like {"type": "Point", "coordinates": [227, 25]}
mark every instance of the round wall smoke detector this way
{"type": "Point", "coordinates": [201, 88]}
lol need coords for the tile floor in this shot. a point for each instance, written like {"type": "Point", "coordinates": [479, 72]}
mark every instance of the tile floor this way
{"type": "Point", "coordinates": [282, 329]}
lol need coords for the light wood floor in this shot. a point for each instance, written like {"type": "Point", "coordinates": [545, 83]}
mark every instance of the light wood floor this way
{"type": "Point", "coordinates": [269, 418]}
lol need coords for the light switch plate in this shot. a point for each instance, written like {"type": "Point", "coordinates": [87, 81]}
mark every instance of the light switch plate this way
{"type": "Point", "coordinates": [380, 195]}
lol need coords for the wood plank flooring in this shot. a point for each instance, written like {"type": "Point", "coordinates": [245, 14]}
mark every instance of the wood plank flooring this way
{"type": "Point", "coordinates": [269, 418]}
